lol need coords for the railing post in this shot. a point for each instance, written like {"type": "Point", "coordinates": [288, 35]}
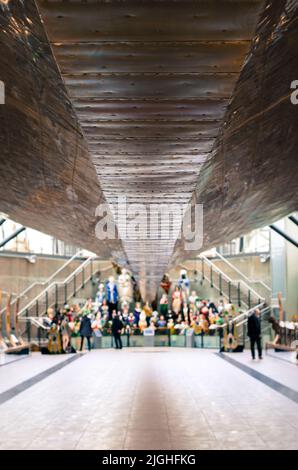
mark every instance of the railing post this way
{"type": "Point", "coordinates": [28, 327]}
{"type": "Point", "coordinates": [169, 337]}
{"type": "Point", "coordinates": [128, 338]}
{"type": "Point", "coordinates": [56, 295]}
{"type": "Point", "coordinates": [239, 294]}
{"type": "Point", "coordinates": [220, 284]}
{"type": "Point", "coordinates": [211, 276]}
{"type": "Point", "coordinates": [91, 269]}
{"type": "Point", "coordinates": [36, 308]}
{"type": "Point", "coordinates": [74, 286]}
{"type": "Point", "coordinates": [249, 299]}
{"type": "Point", "coordinates": [230, 296]}
{"type": "Point", "coordinates": [203, 270]}
{"type": "Point", "coordinates": [244, 334]}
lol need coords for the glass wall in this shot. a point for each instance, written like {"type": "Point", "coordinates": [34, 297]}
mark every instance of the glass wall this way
{"type": "Point", "coordinates": [257, 241]}
{"type": "Point", "coordinates": [33, 242]}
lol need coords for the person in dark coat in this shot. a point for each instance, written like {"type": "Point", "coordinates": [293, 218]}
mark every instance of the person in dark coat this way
{"type": "Point", "coordinates": [117, 327]}
{"type": "Point", "coordinates": [254, 333]}
{"type": "Point", "coordinates": [85, 331]}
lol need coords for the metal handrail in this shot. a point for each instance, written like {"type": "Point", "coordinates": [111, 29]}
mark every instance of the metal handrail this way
{"type": "Point", "coordinates": [267, 309]}
{"type": "Point", "coordinates": [220, 272]}
{"type": "Point", "coordinates": [66, 280]}
{"type": "Point", "coordinates": [261, 306]}
{"type": "Point", "coordinates": [245, 315]}
{"type": "Point", "coordinates": [216, 268]}
{"type": "Point", "coordinates": [42, 283]}
{"type": "Point", "coordinates": [64, 266]}
{"type": "Point", "coordinates": [228, 279]}
{"type": "Point", "coordinates": [243, 275]}
{"type": "Point", "coordinates": [78, 269]}
{"type": "Point", "coordinates": [221, 291]}
{"type": "Point", "coordinates": [35, 321]}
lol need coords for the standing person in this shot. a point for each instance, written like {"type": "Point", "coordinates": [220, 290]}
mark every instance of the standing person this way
{"type": "Point", "coordinates": [66, 334]}
{"type": "Point", "coordinates": [112, 295]}
{"type": "Point", "coordinates": [117, 327]}
{"type": "Point", "coordinates": [254, 333]}
{"type": "Point", "coordinates": [219, 323]}
{"type": "Point", "coordinates": [58, 317]}
{"type": "Point", "coordinates": [85, 331]}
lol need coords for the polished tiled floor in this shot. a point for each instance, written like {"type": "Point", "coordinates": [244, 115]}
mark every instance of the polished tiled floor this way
{"type": "Point", "coordinates": [147, 399]}
{"type": "Point", "coordinates": [276, 368]}
{"type": "Point", "coordinates": [14, 373]}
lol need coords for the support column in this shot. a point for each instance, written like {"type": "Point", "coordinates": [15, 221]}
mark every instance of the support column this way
{"type": "Point", "coordinates": [284, 268]}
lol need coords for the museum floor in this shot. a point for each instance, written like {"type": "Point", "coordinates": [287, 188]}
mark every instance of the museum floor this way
{"type": "Point", "coordinates": [148, 399]}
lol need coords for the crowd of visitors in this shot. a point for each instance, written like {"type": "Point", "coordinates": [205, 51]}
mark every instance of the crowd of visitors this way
{"type": "Point", "coordinates": [177, 311]}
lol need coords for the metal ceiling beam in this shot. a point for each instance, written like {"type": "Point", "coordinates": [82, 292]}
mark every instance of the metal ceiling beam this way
{"type": "Point", "coordinates": [284, 235]}
{"type": "Point", "coordinates": [293, 219]}
{"type": "Point", "coordinates": [12, 236]}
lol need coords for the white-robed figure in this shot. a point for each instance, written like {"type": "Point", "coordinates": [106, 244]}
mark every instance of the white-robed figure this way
{"type": "Point", "coordinates": [184, 283]}
{"type": "Point", "coordinates": [194, 300]}
{"type": "Point", "coordinates": [100, 295]}
{"type": "Point", "coordinates": [125, 286]}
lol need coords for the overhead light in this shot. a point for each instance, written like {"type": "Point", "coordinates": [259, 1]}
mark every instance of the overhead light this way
{"type": "Point", "coordinates": [32, 259]}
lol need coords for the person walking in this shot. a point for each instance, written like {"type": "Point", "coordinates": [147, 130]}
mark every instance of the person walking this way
{"type": "Point", "coordinates": [254, 333]}
{"type": "Point", "coordinates": [117, 327]}
{"type": "Point", "coordinates": [85, 331]}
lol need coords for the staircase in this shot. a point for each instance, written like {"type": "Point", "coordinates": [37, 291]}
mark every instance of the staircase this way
{"type": "Point", "coordinates": [26, 296]}
{"type": "Point", "coordinates": [240, 321]}
{"type": "Point", "coordinates": [59, 292]}
{"type": "Point", "coordinates": [242, 293]}
{"type": "Point", "coordinates": [237, 292]}
{"type": "Point", "coordinates": [79, 283]}
{"type": "Point", "coordinates": [236, 274]}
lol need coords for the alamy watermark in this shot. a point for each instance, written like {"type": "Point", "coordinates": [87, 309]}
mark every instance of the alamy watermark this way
{"type": "Point", "coordinates": [167, 222]}
{"type": "Point", "coordinates": [294, 94]}
{"type": "Point", "coordinates": [2, 92]}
